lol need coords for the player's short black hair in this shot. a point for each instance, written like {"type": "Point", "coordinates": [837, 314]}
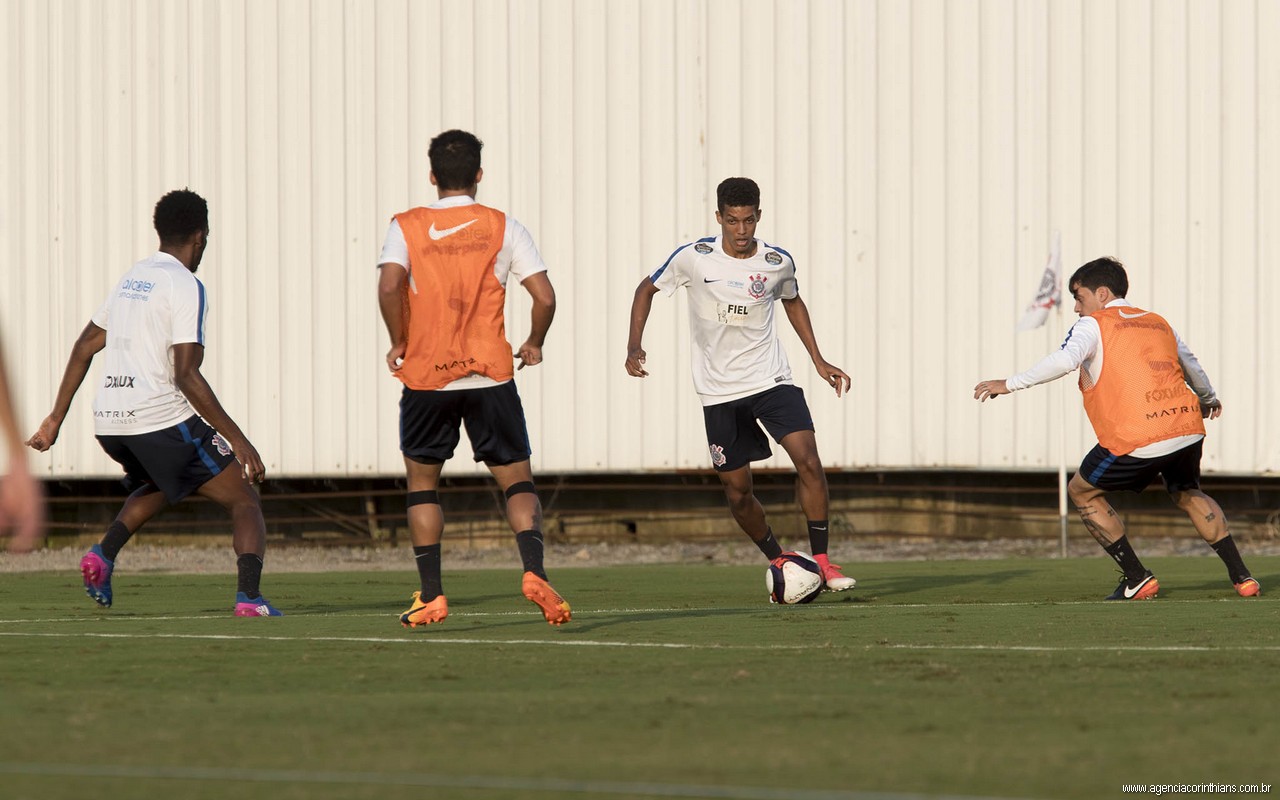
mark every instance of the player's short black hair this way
{"type": "Point", "coordinates": [1105, 271]}
{"type": "Point", "coordinates": [455, 159]}
{"type": "Point", "coordinates": [179, 214]}
{"type": "Point", "coordinates": [737, 192]}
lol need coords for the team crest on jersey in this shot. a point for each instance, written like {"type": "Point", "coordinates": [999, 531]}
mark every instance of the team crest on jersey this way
{"type": "Point", "coordinates": [756, 287]}
{"type": "Point", "coordinates": [702, 247]}
{"type": "Point", "coordinates": [224, 449]}
{"type": "Point", "coordinates": [717, 455]}
{"type": "Point", "coordinates": [773, 258]}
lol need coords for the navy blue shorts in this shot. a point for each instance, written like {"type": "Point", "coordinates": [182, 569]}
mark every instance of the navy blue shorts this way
{"type": "Point", "coordinates": [733, 433]}
{"type": "Point", "coordinates": [493, 415]}
{"type": "Point", "coordinates": [177, 460]}
{"type": "Point", "coordinates": [1180, 470]}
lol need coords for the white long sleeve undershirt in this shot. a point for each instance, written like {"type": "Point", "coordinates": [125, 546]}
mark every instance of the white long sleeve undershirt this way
{"type": "Point", "coordinates": [1082, 349]}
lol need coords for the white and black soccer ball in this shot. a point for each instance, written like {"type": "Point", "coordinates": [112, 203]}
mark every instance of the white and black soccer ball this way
{"type": "Point", "coordinates": [793, 578]}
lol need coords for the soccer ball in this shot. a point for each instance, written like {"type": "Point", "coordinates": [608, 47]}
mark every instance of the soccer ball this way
{"type": "Point", "coordinates": [793, 578]}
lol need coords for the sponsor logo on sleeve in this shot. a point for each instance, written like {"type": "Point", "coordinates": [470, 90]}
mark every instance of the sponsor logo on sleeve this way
{"type": "Point", "coordinates": [702, 247]}
{"type": "Point", "coordinates": [773, 258]}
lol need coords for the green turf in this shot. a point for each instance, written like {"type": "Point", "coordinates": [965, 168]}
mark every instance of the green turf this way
{"type": "Point", "coordinates": [984, 678]}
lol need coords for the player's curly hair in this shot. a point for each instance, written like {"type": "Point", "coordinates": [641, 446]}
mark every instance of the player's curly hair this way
{"type": "Point", "coordinates": [179, 214]}
{"type": "Point", "coordinates": [455, 159]}
{"type": "Point", "coordinates": [1105, 271]}
{"type": "Point", "coordinates": [734, 192]}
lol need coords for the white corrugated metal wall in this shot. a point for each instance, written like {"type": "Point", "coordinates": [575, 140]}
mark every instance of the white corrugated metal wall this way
{"type": "Point", "coordinates": [915, 156]}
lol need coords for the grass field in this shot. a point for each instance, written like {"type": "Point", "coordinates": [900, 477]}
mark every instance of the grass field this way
{"type": "Point", "coordinates": [941, 679]}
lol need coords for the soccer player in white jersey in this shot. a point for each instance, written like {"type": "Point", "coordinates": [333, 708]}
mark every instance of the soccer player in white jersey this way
{"type": "Point", "coordinates": [1147, 398]}
{"type": "Point", "coordinates": [155, 414]}
{"type": "Point", "coordinates": [740, 368]}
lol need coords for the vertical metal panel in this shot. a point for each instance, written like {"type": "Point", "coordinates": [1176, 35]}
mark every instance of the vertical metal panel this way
{"type": "Point", "coordinates": [915, 157]}
{"type": "Point", "coordinates": [1032, 234]}
{"type": "Point", "coordinates": [997, 225]}
{"type": "Point", "coordinates": [1239, 371]}
{"type": "Point", "coordinates": [961, 236]}
{"type": "Point", "coordinates": [928, 46]}
{"type": "Point", "coordinates": [1265, 423]}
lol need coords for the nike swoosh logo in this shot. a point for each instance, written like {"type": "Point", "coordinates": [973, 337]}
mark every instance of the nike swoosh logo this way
{"type": "Point", "coordinates": [1134, 316]}
{"type": "Point", "coordinates": [712, 280]}
{"type": "Point", "coordinates": [1129, 593]}
{"type": "Point", "coordinates": [438, 235]}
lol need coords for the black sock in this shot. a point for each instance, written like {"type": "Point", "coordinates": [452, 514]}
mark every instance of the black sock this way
{"type": "Point", "coordinates": [116, 537]}
{"type": "Point", "coordinates": [428, 560]}
{"type": "Point", "coordinates": [530, 544]}
{"type": "Point", "coordinates": [1126, 558]}
{"type": "Point", "coordinates": [818, 535]}
{"type": "Point", "coordinates": [1226, 550]}
{"type": "Point", "coordinates": [769, 545]}
{"type": "Point", "coordinates": [249, 575]}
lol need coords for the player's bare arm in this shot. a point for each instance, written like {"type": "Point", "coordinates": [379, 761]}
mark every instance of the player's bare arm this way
{"type": "Point", "coordinates": [641, 305]}
{"type": "Point", "coordinates": [391, 281]}
{"type": "Point", "coordinates": [543, 295]}
{"type": "Point", "coordinates": [988, 390]}
{"type": "Point", "coordinates": [187, 358]}
{"type": "Point", "coordinates": [21, 496]}
{"type": "Point", "coordinates": [798, 316]}
{"type": "Point", "coordinates": [90, 342]}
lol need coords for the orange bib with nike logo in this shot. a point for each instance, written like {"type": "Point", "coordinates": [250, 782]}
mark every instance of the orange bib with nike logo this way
{"type": "Point", "coordinates": [454, 303]}
{"type": "Point", "coordinates": [1141, 396]}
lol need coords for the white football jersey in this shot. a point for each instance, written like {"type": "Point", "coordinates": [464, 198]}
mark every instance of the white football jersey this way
{"type": "Point", "coordinates": [157, 304]}
{"type": "Point", "coordinates": [735, 348]}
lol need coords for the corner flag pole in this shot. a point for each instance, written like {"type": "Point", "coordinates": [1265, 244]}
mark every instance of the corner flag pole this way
{"type": "Point", "coordinates": [1049, 295]}
{"type": "Point", "coordinates": [1062, 458]}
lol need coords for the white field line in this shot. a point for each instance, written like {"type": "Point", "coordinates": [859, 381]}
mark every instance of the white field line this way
{"type": "Point", "coordinates": [578, 612]}
{"type": "Point", "coordinates": [425, 639]}
{"type": "Point", "coordinates": [520, 786]}
{"type": "Point", "coordinates": [429, 640]}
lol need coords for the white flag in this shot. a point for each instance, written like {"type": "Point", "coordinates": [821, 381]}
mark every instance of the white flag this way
{"type": "Point", "coordinates": [1050, 292]}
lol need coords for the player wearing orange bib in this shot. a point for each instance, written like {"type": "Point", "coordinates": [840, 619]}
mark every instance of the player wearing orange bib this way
{"type": "Point", "coordinates": [1147, 398]}
{"type": "Point", "coordinates": [442, 291]}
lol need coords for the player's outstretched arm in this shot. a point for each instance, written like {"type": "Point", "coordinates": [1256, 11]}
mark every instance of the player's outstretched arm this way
{"type": "Point", "coordinates": [187, 358]}
{"type": "Point", "coordinates": [798, 316]}
{"type": "Point", "coordinates": [989, 389]}
{"type": "Point", "coordinates": [90, 342]}
{"type": "Point", "coordinates": [539, 287]}
{"type": "Point", "coordinates": [21, 496]}
{"type": "Point", "coordinates": [641, 305]}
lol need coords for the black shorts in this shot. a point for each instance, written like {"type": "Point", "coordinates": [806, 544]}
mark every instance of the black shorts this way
{"type": "Point", "coordinates": [734, 436]}
{"type": "Point", "coordinates": [177, 460]}
{"type": "Point", "coordinates": [429, 424]}
{"type": "Point", "coordinates": [1180, 469]}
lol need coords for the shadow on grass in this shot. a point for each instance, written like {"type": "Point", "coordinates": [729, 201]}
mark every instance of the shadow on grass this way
{"type": "Point", "coordinates": [905, 587]}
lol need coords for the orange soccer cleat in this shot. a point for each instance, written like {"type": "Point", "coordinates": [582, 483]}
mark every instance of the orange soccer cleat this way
{"type": "Point", "coordinates": [1144, 588]}
{"type": "Point", "coordinates": [421, 613]}
{"type": "Point", "coordinates": [1249, 587]}
{"type": "Point", "coordinates": [553, 606]}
